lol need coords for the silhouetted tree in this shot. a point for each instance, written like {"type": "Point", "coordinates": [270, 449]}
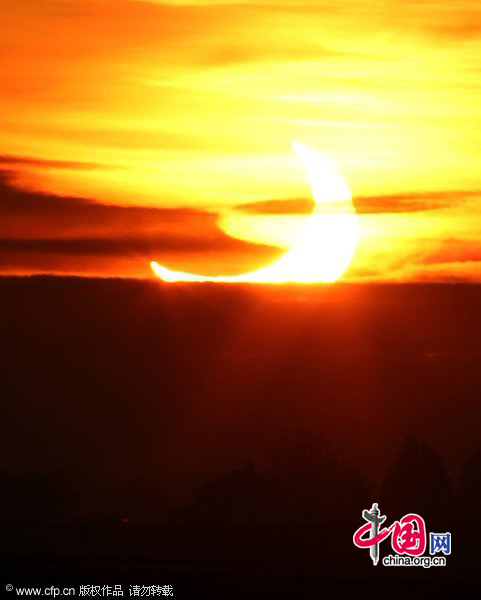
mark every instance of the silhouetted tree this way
{"type": "Point", "coordinates": [417, 482]}
{"type": "Point", "coordinates": [469, 496]}
{"type": "Point", "coordinates": [316, 483]}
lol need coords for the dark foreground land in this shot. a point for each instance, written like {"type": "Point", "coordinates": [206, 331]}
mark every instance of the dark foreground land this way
{"type": "Point", "coordinates": [225, 439]}
{"type": "Point", "coordinates": [224, 562]}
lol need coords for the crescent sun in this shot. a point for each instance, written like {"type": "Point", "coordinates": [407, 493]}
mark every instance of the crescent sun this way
{"type": "Point", "coordinates": [325, 245]}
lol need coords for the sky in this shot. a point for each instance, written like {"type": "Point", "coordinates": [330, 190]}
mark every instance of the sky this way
{"type": "Point", "coordinates": [134, 130]}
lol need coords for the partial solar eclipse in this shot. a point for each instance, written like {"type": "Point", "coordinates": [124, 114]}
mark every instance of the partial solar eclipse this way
{"type": "Point", "coordinates": [325, 245]}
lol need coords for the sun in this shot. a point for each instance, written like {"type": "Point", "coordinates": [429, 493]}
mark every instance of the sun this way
{"type": "Point", "coordinates": [325, 245]}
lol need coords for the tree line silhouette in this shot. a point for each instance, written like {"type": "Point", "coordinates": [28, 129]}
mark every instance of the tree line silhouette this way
{"type": "Point", "coordinates": [305, 484]}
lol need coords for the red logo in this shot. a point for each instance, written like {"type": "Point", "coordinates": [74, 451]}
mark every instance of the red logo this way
{"type": "Point", "coordinates": [408, 536]}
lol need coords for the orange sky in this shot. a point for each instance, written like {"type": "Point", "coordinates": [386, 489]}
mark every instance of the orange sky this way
{"type": "Point", "coordinates": [135, 130]}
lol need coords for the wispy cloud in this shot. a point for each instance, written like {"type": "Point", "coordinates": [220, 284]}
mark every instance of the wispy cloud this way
{"type": "Point", "coordinates": [9, 163]}
{"type": "Point", "coordinates": [288, 206]}
{"type": "Point", "coordinates": [43, 232]}
{"type": "Point", "coordinates": [368, 205]}
{"type": "Point", "coordinates": [455, 251]}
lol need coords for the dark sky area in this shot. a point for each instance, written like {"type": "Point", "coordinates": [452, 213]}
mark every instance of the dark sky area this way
{"type": "Point", "coordinates": [201, 409]}
{"type": "Point", "coordinates": [113, 378]}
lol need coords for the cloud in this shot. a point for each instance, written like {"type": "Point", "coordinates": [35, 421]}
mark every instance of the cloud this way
{"type": "Point", "coordinates": [46, 233]}
{"type": "Point", "coordinates": [455, 251]}
{"type": "Point", "coordinates": [450, 260]}
{"type": "Point", "coordinates": [289, 206]}
{"type": "Point", "coordinates": [367, 205]}
{"type": "Point", "coordinates": [149, 247]}
{"type": "Point", "coordinates": [26, 214]}
{"type": "Point", "coordinates": [412, 202]}
{"type": "Point", "coordinates": [461, 31]}
{"type": "Point", "coordinates": [9, 162]}
{"type": "Point", "coordinates": [230, 53]}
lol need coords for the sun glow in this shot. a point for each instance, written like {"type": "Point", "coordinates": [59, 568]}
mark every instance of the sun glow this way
{"type": "Point", "coordinates": [325, 245]}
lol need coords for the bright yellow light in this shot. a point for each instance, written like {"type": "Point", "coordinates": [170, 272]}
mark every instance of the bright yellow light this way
{"type": "Point", "coordinates": [325, 245]}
